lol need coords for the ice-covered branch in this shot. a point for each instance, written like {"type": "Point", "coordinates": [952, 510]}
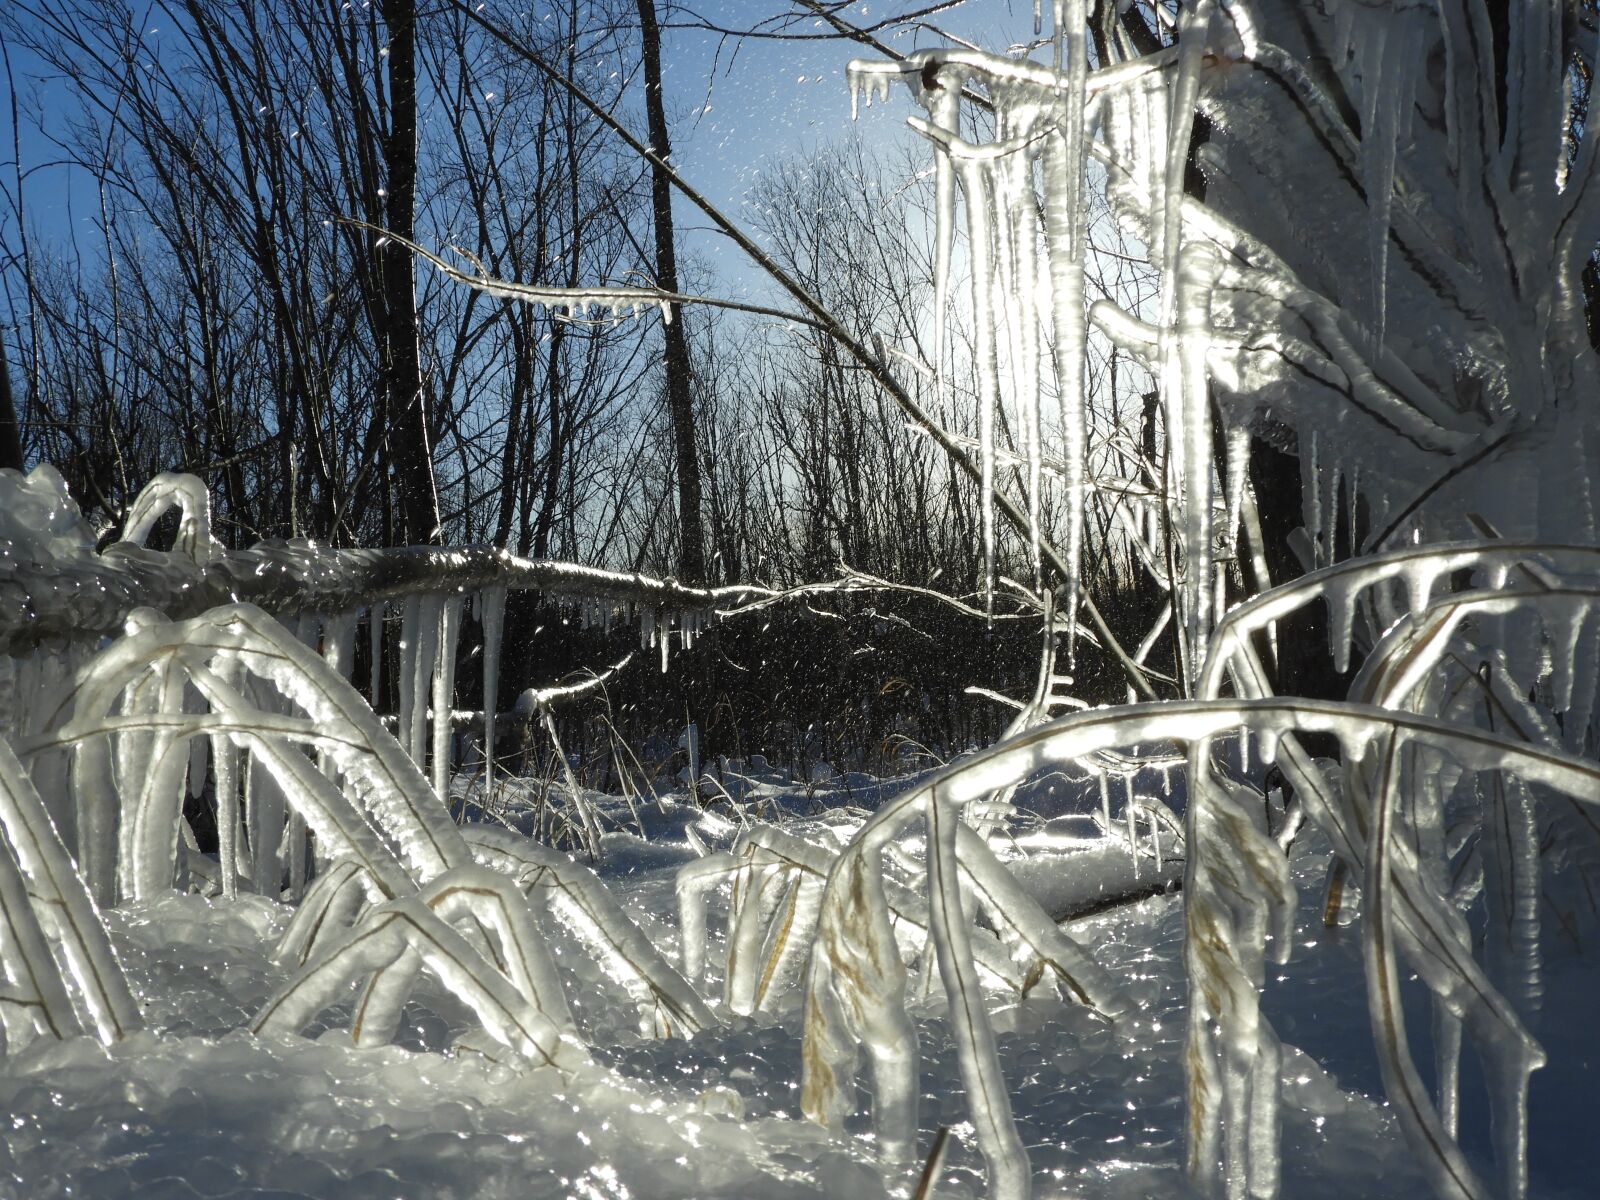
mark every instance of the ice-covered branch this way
{"type": "Point", "coordinates": [75, 593]}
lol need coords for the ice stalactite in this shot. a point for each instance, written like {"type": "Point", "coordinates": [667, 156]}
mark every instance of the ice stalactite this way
{"type": "Point", "coordinates": [1386, 63]}
{"type": "Point", "coordinates": [493, 613]}
{"type": "Point", "coordinates": [419, 645]}
{"type": "Point", "coordinates": [338, 651]}
{"type": "Point", "coordinates": [296, 846]}
{"type": "Point", "coordinates": [977, 192]}
{"type": "Point", "coordinates": [944, 111]}
{"type": "Point", "coordinates": [1311, 499]}
{"type": "Point", "coordinates": [1510, 850]}
{"type": "Point", "coordinates": [1183, 331]}
{"type": "Point", "coordinates": [444, 690]}
{"type": "Point", "coordinates": [1236, 479]}
{"type": "Point", "coordinates": [1017, 295]}
{"type": "Point", "coordinates": [150, 783]}
{"type": "Point", "coordinates": [375, 615]}
{"type": "Point", "coordinates": [339, 641]}
{"type": "Point", "coordinates": [1197, 272]}
{"type": "Point", "coordinates": [225, 754]}
{"type": "Point", "coordinates": [153, 802]}
{"type": "Point", "coordinates": [423, 662]}
{"type": "Point", "coordinates": [265, 805]}
{"type": "Point", "coordinates": [406, 675]}
{"type": "Point", "coordinates": [1064, 222]}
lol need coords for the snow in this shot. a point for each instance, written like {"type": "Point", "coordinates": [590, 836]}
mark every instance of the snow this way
{"type": "Point", "coordinates": [196, 1107]}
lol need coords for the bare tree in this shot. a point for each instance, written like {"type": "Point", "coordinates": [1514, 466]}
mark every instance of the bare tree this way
{"type": "Point", "coordinates": [680, 402]}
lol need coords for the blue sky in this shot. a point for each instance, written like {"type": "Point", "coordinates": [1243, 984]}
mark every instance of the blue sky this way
{"type": "Point", "coordinates": [737, 109]}
{"type": "Point", "coordinates": [772, 100]}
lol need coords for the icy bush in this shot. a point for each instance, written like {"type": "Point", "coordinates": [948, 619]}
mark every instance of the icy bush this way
{"type": "Point", "coordinates": [1438, 383]}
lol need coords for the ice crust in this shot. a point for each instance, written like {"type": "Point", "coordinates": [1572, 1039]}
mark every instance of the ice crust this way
{"type": "Point", "coordinates": [194, 1107]}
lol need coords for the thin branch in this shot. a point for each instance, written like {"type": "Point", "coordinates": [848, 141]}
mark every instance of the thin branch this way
{"type": "Point", "coordinates": [830, 324]}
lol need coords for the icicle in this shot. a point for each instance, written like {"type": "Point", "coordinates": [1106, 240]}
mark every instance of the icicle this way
{"type": "Point", "coordinates": [338, 643]}
{"type": "Point", "coordinates": [10, 709]}
{"type": "Point", "coordinates": [199, 755]}
{"type": "Point", "coordinates": [410, 622]}
{"type": "Point", "coordinates": [1016, 219]}
{"type": "Point", "coordinates": [1447, 1065]}
{"type": "Point", "coordinates": [1130, 818]}
{"type": "Point", "coordinates": [1563, 625]}
{"type": "Point", "coordinates": [1585, 685]}
{"type": "Point", "coordinates": [975, 186]}
{"type": "Point", "coordinates": [1352, 512]}
{"type": "Point", "coordinates": [264, 807]}
{"type": "Point", "coordinates": [375, 642]}
{"type": "Point", "coordinates": [1329, 478]}
{"type": "Point", "coordinates": [1105, 803]}
{"type": "Point", "coordinates": [1238, 470]}
{"type": "Point", "coordinates": [295, 850]}
{"type": "Point", "coordinates": [422, 660]}
{"type": "Point", "coordinates": [226, 756]}
{"type": "Point", "coordinates": [1184, 309]}
{"type": "Point", "coordinates": [1511, 893]}
{"type": "Point", "coordinates": [1197, 273]}
{"type": "Point", "coordinates": [152, 801]}
{"type": "Point", "coordinates": [444, 694]}
{"type": "Point", "coordinates": [1419, 579]}
{"type": "Point", "coordinates": [493, 602]}
{"type": "Point", "coordinates": [1064, 238]}
{"type": "Point", "coordinates": [1341, 598]}
{"type": "Point", "coordinates": [1386, 62]}
{"type": "Point", "coordinates": [419, 662]}
{"type": "Point", "coordinates": [1311, 498]}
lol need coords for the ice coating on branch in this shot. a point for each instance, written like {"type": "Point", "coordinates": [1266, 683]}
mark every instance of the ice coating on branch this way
{"type": "Point", "coordinates": [35, 866]}
{"type": "Point", "coordinates": [39, 519]}
{"type": "Point", "coordinates": [185, 493]}
{"type": "Point", "coordinates": [1434, 938]}
{"type": "Point", "coordinates": [668, 1005]}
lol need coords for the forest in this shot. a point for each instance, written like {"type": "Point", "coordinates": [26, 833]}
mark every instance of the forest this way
{"type": "Point", "coordinates": [1015, 615]}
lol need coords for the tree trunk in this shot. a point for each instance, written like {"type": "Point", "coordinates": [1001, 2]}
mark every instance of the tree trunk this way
{"type": "Point", "coordinates": [10, 430]}
{"type": "Point", "coordinates": [691, 558]}
{"type": "Point", "coordinates": [410, 429]}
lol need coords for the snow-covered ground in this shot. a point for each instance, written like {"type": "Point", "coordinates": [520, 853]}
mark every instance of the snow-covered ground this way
{"type": "Point", "coordinates": [192, 1106]}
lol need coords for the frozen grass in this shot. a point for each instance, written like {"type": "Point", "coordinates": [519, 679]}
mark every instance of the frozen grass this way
{"type": "Point", "coordinates": [192, 1107]}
